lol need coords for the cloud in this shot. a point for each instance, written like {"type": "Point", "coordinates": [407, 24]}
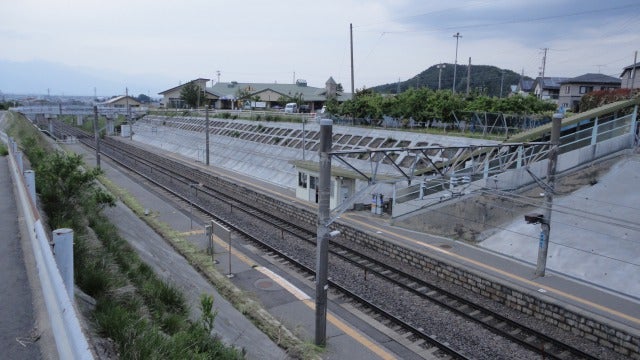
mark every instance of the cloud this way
{"type": "Point", "coordinates": [265, 42]}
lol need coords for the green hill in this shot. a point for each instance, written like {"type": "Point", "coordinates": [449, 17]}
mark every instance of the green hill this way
{"type": "Point", "coordinates": [485, 79]}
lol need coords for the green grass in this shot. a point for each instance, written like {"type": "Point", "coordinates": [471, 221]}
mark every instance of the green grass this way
{"type": "Point", "coordinates": [202, 262]}
{"type": "Point", "coordinates": [146, 317]}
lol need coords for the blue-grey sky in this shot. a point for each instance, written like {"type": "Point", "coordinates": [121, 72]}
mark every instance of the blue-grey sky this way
{"type": "Point", "coordinates": [149, 46]}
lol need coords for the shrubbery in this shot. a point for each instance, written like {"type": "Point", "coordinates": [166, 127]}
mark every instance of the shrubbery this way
{"type": "Point", "coordinates": [146, 317]}
{"type": "Point", "coordinates": [425, 104]}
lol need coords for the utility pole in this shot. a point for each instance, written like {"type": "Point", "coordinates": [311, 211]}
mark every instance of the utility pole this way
{"type": "Point", "coordinates": [440, 67]}
{"type": "Point", "coordinates": [501, 82]}
{"type": "Point", "coordinates": [206, 136]}
{"type": "Point", "coordinates": [455, 64]}
{"type": "Point", "coordinates": [323, 235]}
{"type": "Point", "coordinates": [548, 197]}
{"type": "Point", "coordinates": [96, 135]}
{"type": "Point", "coordinates": [544, 65]}
{"type": "Point", "coordinates": [633, 73]}
{"type": "Point", "coordinates": [398, 86]}
{"type": "Point", "coordinates": [126, 94]}
{"type": "Point", "coordinates": [469, 76]}
{"type": "Point", "coordinates": [351, 42]}
{"type": "Point", "coordinates": [218, 74]}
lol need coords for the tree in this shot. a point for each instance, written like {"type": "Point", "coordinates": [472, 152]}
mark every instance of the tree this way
{"type": "Point", "coordinates": [63, 186]}
{"type": "Point", "coordinates": [192, 94]}
{"type": "Point", "coordinates": [143, 98]}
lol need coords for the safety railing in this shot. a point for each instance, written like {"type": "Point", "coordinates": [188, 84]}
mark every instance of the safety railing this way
{"type": "Point", "coordinates": [71, 342]}
{"type": "Point", "coordinates": [582, 143]}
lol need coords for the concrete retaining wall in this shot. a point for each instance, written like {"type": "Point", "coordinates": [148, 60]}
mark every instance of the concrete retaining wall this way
{"type": "Point", "coordinates": [622, 339]}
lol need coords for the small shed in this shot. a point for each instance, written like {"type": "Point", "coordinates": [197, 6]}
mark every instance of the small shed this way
{"type": "Point", "coordinates": [343, 183]}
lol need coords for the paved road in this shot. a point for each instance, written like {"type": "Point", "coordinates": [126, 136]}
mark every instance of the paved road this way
{"type": "Point", "coordinates": [17, 317]}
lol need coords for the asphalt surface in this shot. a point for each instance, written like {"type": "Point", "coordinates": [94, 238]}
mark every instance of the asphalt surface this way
{"type": "Point", "coordinates": [18, 330]}
{"type": "Point", "coordinates": [230, 325]}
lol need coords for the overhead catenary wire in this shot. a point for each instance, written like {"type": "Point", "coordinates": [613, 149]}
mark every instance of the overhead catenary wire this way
{"type": "Point", "coordinates": [536, 237]}
{"type": "Point", "coordinates": [614, 221]}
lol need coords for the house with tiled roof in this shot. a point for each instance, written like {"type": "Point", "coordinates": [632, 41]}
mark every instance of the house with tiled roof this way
{"type": "Point", "coordinates": [233, 95]}
{"type": "Point", "coordinates": [630, 78]}
{"type": "Point", "coordinates": [171, 97]}
{"type": "Point", "coordinates": [547, 88]}
{"type": "Point", "coordinates": [525, 86]}
{"type": "Point", "coordinates": [573, 89]}
{"type": "Point", "coordinates": [122, 102]}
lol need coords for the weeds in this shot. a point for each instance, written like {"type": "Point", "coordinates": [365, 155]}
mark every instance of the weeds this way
{"type": "Point", "coordinates": [146, 317]}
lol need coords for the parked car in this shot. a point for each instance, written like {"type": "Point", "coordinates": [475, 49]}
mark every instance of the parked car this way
{"type": "Point", "coordinates": [291, 108]}
{"type": "Point", "coordinates": [305, 108]}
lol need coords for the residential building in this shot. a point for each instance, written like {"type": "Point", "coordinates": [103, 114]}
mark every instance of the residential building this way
{"type": "Point", "coordinates": [122, 102]}
{"type": "Point", "coordinates": [630, 77]}
{"type": "Point", "coordinates": [547, 88]}
{"type": "Point", "coordinates": [173, 100]}
{"type": "Point", "coordinates": [524, 86]}
{"type": "Point", "coordinates": [235, 95]}
{"type": "Point", "coordinates": [573, 89]}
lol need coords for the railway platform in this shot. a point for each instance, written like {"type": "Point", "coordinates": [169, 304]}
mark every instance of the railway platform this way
{"type": "Point", "coordinates": [290, 301]}
{"type": "Point", "coordinates": [291, 307]}
{"type": "Point", "coordinates": [614, 306]}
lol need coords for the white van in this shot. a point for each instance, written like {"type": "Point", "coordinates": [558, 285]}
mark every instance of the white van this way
{"type": "Point", "coordinates": [291, 108]}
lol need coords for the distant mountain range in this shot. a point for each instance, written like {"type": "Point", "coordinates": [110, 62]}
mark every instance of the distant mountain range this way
{"type": "Point", "coordinates": [485, 79]}
{"type": "Point", "coordinates": [58, 79]}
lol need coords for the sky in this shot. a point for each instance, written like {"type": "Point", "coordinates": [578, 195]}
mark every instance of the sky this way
{"type": "Point", "coordinates": [106, 46]}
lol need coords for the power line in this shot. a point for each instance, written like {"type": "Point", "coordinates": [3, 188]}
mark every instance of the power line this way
{"type": "Point", "coordinates": [531, 236]}
{"type": "Point", "coordinates": [628, 227]}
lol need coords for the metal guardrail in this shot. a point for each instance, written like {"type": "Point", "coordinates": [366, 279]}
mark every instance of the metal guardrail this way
{"type": "Point", "coordinates": [596, 132]}
{"type": "Point", "coordinates": [84, 110]}
{"type": "Point", "coordinates": [242, 114]}
{"type": "Point", "coordinates": [71, 342]}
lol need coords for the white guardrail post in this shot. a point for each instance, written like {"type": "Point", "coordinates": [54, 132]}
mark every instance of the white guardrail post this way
{"type": "Point", "coordinates": [71, 342]}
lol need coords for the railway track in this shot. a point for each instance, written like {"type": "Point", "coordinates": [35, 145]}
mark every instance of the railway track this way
{"type": "Point", "coordinates": [211, 193]}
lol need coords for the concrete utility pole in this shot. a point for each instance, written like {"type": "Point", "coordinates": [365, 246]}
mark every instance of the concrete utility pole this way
{"type": "Point", "coordinates": [544, 65]}
{"type": "Point", "coordinates": [548, 198]}
{"type": "Point", "coordinates": [440, 67]}
{"type": "Point", "coordinates": [323, 235]}
{"type": "Point", "coordinates": [633, 73]}
{"type": "Point", "coordinates": [96, 134]}
{"type": "Point", "coordinates": [455, 64]}
{"type": "Point", "coordinates": [469, 76]}
{"type": "Point", "coordinates": [351, 42]}
{"type": "Point", "coordinates": [206, 135]}
{"type": "Point", "coordinates": [501, 82]}
{"type": "Point", "coordinates": [126, 92]}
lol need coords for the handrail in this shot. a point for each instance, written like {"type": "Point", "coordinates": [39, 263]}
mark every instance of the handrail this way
{"type": "Point", "coordinates": [71, 342]}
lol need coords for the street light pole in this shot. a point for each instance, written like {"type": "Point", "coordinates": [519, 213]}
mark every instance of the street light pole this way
{"type": "Point", "coordinates": [455, 65]}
